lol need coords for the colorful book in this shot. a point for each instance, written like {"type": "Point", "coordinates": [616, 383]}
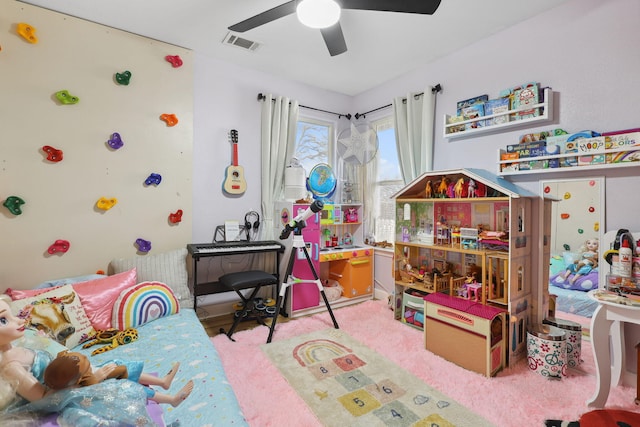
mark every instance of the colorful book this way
{"type": "Point", "coordinates": [473, 112]}
{"type": "Point", "coordinates": [471, 101]}
{"type": "Point", "coordinates": [525, 97]}
{"type": "Point", "coordinates": [457, 128]}
{"type": "Point", "coordinates": [495, 106]}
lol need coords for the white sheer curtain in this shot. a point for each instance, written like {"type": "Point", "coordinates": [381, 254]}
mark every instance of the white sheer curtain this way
{"type": "Point", "coordinates": [414, 120]}
{"type": "Point", "coordinates": [279, 121]}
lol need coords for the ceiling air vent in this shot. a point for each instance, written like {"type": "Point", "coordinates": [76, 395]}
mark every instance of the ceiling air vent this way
{"type": "Point", "coordinates": [233, 40]}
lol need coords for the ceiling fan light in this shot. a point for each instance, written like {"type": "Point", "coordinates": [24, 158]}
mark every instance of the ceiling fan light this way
{"type": "Point", "coordinates": [318, 13]}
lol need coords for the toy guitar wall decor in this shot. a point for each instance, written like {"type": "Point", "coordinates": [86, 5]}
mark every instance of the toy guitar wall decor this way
{"type": "Point", "coordinates": [234, 182]}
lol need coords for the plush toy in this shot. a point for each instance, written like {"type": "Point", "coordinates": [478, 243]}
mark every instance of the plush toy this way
{"type": "Point", "coordinates": [113, 338]}
{"type": "Point", "coordinates": [70, 369]}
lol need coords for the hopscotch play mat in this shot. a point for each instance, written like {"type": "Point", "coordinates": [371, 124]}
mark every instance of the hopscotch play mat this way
{"type": "Point", "coordinates": [346, 383]}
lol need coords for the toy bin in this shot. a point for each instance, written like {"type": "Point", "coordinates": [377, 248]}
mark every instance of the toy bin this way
{"type": "Point", "coordinates": [413, 308]}
{"type": "Point", "coordinates": [574, 338]}
{"type": "Point", "coordinates": [547, 351]}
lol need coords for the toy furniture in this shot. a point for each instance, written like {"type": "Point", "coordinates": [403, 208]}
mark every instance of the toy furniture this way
{"type": "Point", "coordinates": [343, 257]}
{"type": "Point", "coordinates": [466, 333]}
{"type": "Point", "coordinates": [242, 280]}
{"type": "Point", "coordinates": [502, 233]}
{"type": "Point", "coordinates": [474, 290]}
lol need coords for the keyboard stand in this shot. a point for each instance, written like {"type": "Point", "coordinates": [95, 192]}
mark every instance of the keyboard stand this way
{"type": "Point", "coordinates": [207, 250]}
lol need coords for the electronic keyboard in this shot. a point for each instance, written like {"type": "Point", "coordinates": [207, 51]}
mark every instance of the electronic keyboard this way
{"type": "Point", "coordinates": [234, 247]}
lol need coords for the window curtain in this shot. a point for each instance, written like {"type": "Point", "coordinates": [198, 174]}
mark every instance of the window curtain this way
{"type": "Point", "coordinates": [369, 196]}
{"type": "Point", "coordinates": [414, 121]}
{"type": "Point", "coordinates": [279, 121]}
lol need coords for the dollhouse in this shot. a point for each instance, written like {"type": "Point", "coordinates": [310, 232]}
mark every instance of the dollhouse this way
{"type": "Point", "coordinates": [495, 260]}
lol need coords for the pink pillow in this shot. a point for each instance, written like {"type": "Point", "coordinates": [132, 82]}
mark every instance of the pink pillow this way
{"type": "Point", "coordinates": [98, 296]}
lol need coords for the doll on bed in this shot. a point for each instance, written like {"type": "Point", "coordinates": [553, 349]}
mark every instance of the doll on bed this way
{"type": "Point", "coordinates": [72, 369]}
{"type": "Point", "coordinates": [23, 393]}
{"type": "Point", "coordinates": [587, 262]}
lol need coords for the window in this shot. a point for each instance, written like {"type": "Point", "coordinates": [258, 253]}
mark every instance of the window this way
{"type": "Point", "coordinates": [388, 181]}
{"type": "Point", "coordinates": [314, 142]}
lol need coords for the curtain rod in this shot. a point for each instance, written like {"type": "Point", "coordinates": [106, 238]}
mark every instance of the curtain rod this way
{"type": "Point", "coordinates": [340, 115]}
{"type": "Point", "coordinates": [436, 89]}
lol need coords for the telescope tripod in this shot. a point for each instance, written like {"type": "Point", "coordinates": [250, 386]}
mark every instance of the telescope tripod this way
{"type": "Point", "coordinates": [298, 243]}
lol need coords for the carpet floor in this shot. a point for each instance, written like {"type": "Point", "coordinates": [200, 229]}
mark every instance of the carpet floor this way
{"type": "Point", "coordinates": [346, 383]}
{"type": "Point", "coordinates": [516, 397]}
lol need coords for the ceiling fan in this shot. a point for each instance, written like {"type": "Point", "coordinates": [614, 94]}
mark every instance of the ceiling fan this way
{"type": "Point", "coordinates": [331, 30]}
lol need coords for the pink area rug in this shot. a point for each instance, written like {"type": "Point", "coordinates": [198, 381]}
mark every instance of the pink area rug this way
{"type": "Point", "coordinates": [515, 397]}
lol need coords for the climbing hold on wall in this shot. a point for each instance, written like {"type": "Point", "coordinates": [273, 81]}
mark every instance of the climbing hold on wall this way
{"type": "Point", "coordinates": [592, 183]}
{"type": "Point", "coordinates": [596, 226]}
{"type": "Point", "coordinates": [100, 272]}
{"type": "Point", "coordinates": [123, 78]}
{"type": "Point", "coordinates": [566, 247]}
{"type": "Point", "coordinates": [66, 98]}
{"type": "Point", "coordinates": [592, 209]}
{"type": "Point", "coordinates": [567, 195]}
{"type": "Point", "coordinates": [143, 245]}
{"type": "Point", "coordinates": [580, 231]}
{"type": "Point", "coordinates": [14, 203]}
{"type": "Point", "coordinates": [53, 154]}
{"type": "Point", "coordinates": [154, 178]}
{"type": "Point", "coordinates": [106, 204]}
{"type": "Point", "coordinates": [28, 32]}
{"type": "Point", "coordinates": [174, 60]}
{"type": "Point", "coordinates": [170, 119]}
{"type": "Point", "coordinates": [547, 189]}
{"type": "Point", "coordinates": [115, 141]}
{"type": "Point", "coordinates": [59, 246]}
{"type": "Point", "coordinates": [176, 217]}
{"type": "Point", "coordinates": [564, 215]}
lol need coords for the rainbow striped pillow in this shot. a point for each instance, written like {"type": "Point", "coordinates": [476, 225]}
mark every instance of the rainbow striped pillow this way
{"type": "Point", "coordinates": [143, 303]}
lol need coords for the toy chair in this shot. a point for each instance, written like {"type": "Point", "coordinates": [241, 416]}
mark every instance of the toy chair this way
{"type": "Point", "coordinates": [459, 287]}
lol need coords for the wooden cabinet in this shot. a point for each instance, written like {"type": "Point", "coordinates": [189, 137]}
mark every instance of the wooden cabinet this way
{"type": "Point", "coordinates": [437, 250]}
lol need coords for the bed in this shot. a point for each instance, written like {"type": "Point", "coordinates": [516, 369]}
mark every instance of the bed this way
{"type": "Point", "coordinates": [172, 334]}
{"type": "Point", "coordinates": [571, 297]}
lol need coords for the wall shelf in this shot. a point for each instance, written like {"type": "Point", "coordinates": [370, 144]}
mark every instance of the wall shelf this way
{"type": "Point", "coordinates": [567, 169]}
{"type": "Point", "coordinates": [546, 116]}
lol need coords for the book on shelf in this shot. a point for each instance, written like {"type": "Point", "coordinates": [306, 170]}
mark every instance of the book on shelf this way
{"type": "Point", "coordinates": [473, 112]}
{"type": "Point", "coordinates": [496, 106]}
{"type": "Point", "coordinates": [452, 120]}
{"type": "Point", "coordinates": [481, 99]}
{"type": "Point", "coordinates": [524, 97]}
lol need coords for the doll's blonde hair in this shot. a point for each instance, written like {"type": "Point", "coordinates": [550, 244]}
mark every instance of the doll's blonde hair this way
{"type": "Point", "coordinates": [7, 387]}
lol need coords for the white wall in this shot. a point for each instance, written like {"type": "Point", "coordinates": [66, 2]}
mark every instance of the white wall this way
{"type": "Point", "coordinates": [60, 198]}
{"type": "Point", "coordinates": [226, 98]}
{"type": "Point", "coordinates": [586, 50]}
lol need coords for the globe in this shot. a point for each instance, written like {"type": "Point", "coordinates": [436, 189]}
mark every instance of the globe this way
{"type": "Point", "coordinates": [322, 182]}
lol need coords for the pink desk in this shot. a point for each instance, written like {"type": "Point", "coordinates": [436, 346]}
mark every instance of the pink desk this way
{"type": "Point", "coordinates": [609, 318]}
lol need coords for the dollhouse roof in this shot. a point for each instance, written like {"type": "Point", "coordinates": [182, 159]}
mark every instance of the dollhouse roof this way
{"type": "Point", "coordinates": [416, 188]}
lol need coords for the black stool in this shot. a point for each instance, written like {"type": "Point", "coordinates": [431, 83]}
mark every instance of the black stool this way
{"type": "Point", "coordinates": [255, 279]}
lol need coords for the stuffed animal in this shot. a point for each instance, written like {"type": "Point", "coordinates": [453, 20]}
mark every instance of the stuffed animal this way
{"type": "Point", "coordinates": [113, 338]}
{"type": "Point", "coordinates": [70, 369]}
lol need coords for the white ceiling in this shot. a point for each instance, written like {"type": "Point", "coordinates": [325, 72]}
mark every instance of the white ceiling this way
{"type": "Point", "coordinates": [381, 45]}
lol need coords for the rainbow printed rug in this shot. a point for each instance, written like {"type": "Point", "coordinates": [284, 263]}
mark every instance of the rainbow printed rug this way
{"type": "Point", "coordinates": [346, 383]}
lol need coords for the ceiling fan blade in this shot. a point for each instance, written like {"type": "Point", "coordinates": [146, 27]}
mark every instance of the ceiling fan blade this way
{"type": "Point", "coordinates": [425, 7]}
{"type": "Point", "coordinates": [265, 17]}
{"type": "Point", "coordinates": [334, 39]}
